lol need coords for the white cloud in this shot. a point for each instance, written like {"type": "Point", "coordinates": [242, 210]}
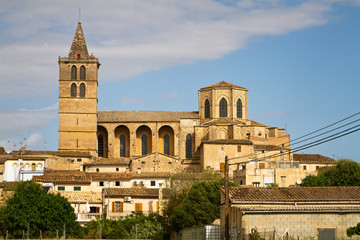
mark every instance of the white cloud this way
{"type": "Point", "coordinates": [133, 37]}
{"type": "Point", "coordinates": [35, 141]}
{"type": "Point", "coordinates": [171, 95]}
{"type": "Point", "coordinates": [19, 121]}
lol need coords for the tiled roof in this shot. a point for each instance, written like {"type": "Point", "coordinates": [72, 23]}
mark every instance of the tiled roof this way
{"type": "Point", "coordinates": [96, 176]}
{"type": "Point", "coordinates": [294, 194]}
{"type": "Point", "coordinates": [144, 116]}
{"type": "Point", "coordinates": [151, 175]}
{"type": "Point", "coordinates": [132, 192]}
{"type": "Point", "coordinates": [229, 141]}
{"type": "Point", "coordinates": [81, 196]}
{"type": "Point", "coordinates": [223, 84]}
{"type": "Point", "coordinates": [269, 147]}
{"type": "Point", "coordinates": [313, 158]}
{"type": "Point", "coordinates": [52, 153]}
{"type": "Point", "coordinates": [300, 208]}
{"type": "Point", "coordinates": [109, 161]}
{"type": "Point", "coordinates": [224, 121]}
{"type": "Point", "coordinates": [63, 176]}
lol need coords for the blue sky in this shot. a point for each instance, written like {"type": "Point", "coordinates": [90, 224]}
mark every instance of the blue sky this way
{"type": "Point", "coordinates": [299, 61]}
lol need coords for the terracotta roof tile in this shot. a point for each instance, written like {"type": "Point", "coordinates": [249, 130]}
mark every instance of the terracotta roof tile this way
{"type": "Point", "coordinates": [95, 176]}
{"type": "Point", "coordinates": [223, 84]}
{"type": "Point", "coordinates": [63, 176]}
{"type": "Point", "coordinates": [132, 192]}
{"type": "Point", "coordinates": [144, 116]}
{"type": "Point", "coordinates": [151, 175]}
{"type": "Point", "coordinates": [80, 196]}
{"type": "Point", "coordinates": [300, 208]}
{"type": "Point", "coordinates": [294, 194]}
{"type": "Point", "coordinates": [109, 161]}
{"type": "Point", "coordinates": [313, 158]}
{"type": "Point", "coordinates": [269, 147]}
{"type": "Point", "coordinates": [229, 141]}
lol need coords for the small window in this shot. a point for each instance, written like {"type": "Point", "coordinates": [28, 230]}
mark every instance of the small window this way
{"type": "Point", "coordinates": [101, 183]}
{"type": "Point", "coordinates": [143, 162]}
{"type": "Point", "coordinates": [118, 207]}
{"type": "Point", "coordinates": [223, 108]}
{"type": "Point", "coordinates": [117, 169]}
{"type": "Point", "coordinates": [33, 167]}
{"type": "Point", "coordinates": [77, 188]}
{"type": "Point", "coordinates": [239, 148]}
{"type": "Point", "coordinates": [94, 210]}
{"type": "Point", "coordinates": [317, 168]}
{"type": "Point", "coordinates": [73, 72]}
{"type": "Point", "coordinates": [188, 146]}
{"type": "Point", "coordinates": [82, 90]}
{"type": "Point", "coordinates": [207, 108]}
{"type": "Point", "coordinates": [82, 73]}
{"type": "Point", "coordinates": [261, 165]}
{"type": "Point", "coordinates": [167, 144]}
{"type": "Point", "coordinates": [117, 183]}
{"type": "Point", "coordinates": [73, 90]}
{"type": "Point", "coordinates": [61, 188]}
{"type": "Point", "coordinates": [144, 144]}
{"type": "Point", "coordinates": [304, 167]}
{"type": "Point", "coordinates": [239, 109]}
{"type": "Point", "coordinates": [97, 170]}
{"type": "Point", "coordinates": [138, 207]}
{"type": "Point", "coordinates": [153, 183]}
{"type": "Point", "coordinates": [79, 160]}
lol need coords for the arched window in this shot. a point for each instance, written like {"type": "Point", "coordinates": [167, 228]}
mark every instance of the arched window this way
{"type": "Point", "coordinates": [73, 90]}
{"type": "Point", "coordinates": [239, 108]}
{"type": "Point", "coordinates": [82, 90]}
{"type": "Point", "coordinates": [144, 140]}
{"type": "Point", "coordinates": [188, 146]}
{"type": "Point", "coordinates": [100, 146]}
{"type": "Point", "coordinates": [82, 73]}
{"type": "Point", "coordinates": [73, 72]}
{"type": "Point", "coordinates": [207, 108]}
{"type": "Point", "coordinates": [167, 144]}
{"type": "Point", "coordinates": [33, 167]}
{"type": "Point", "coordinates": [223, 108]}
{"type": "Point", "coordinates": [122, 145]}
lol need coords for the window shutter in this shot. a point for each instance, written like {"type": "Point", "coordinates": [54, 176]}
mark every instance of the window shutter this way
{"type": "Point", "coordinates": [113, 206]}
{"type": "Point", "coordinates": [121, 207]}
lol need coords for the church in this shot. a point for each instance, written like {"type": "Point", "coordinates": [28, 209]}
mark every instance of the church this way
{"type": "Point", "coordinates": [167, 140]}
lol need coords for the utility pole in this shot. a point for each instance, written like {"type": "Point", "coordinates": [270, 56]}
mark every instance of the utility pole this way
{"type": "Point", "coordinates": [227, 235]}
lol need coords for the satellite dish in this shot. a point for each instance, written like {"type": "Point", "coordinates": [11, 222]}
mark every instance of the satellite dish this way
{"type": "Point", "coordinates": [298, 181]}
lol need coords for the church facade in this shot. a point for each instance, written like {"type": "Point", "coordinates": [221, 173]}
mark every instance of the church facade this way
{"type": "Point", "coordinates": [154, 140]}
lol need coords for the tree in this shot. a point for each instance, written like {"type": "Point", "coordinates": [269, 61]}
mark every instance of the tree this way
{"type": "Point", "coordinates": [200, 206]}
{"type": "Point", "coordinates": [32, 208]}
{"type": "Point", "coordinates": [345, 173]}
{"type": "Point", "coordinates": [133, 226]}
{"type": "Point", "coordinates": [353, 230]}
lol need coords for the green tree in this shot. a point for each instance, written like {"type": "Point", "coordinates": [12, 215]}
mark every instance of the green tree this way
{"type": "Point", "coordinates": [345, 173]}
{"type": "Point", "coordinates": [200, 206]}
{"type": "Point", "coordinates": [132, 226]}
{"type": "Point", "coordinates": [32, 208]}
{"type": "Point", "coordinates": [353, 230]}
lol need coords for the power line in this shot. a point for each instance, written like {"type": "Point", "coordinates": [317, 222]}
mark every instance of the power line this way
{"type": "Point", "coordinates": [314, 143]}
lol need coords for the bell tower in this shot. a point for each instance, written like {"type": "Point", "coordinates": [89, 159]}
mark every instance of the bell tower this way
{"type": "Point", "coordinates": [78, 81]}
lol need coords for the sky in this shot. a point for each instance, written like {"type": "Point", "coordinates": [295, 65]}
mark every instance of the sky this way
{"type": "Point", "coordinates": [300, 61]}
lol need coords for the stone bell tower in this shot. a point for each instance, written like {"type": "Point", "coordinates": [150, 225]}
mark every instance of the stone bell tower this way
{"type": "Point", "coordinates": [78, 81]}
